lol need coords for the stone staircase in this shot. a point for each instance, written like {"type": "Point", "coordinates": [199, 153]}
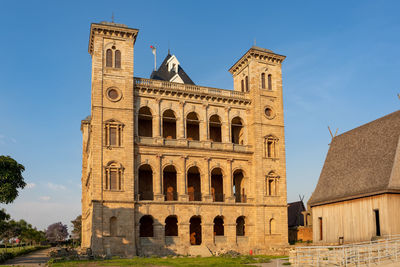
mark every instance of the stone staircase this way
{"type": "Point", "coordinates": [201, 250]}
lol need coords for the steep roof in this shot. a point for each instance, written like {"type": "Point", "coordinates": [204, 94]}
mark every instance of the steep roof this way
{"type": "Point", "coordinates": [164, 75]}
{"type": "Point", "coordinates": [295, 218]}
{"type": "Point", "coordinates": [362, 162]}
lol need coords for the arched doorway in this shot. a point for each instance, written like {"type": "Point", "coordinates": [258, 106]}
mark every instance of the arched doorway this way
{"type": "Point", "coordinates": [145, 122]}
{"type": "Point", "coordinates": [238, 186]}
{"type": "Point", "coordinates": [169, 183]}
{"type": "Point", "coordinates": [145, 182]}
{"type": "Point", "coordinates": [194, 186]}
{"type": "Point", "coordinates": [192, 126]}
{"type": "Point", "coordinates": [195, 230]}
{"type": "Point", "coordinates": [169, 124]}
{"type": "Point", "coordinates": [217, 191]}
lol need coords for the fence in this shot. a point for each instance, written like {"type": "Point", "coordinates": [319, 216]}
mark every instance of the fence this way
{"type": "Point", "coordinates": [358, 254]}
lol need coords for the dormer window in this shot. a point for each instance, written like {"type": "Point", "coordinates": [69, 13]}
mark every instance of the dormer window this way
{"type": "Point", "coordinates": [173, 64]}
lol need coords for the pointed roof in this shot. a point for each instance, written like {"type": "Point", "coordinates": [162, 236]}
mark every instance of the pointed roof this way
{"type": "Point", "coordinates": [295, 217]}
{"type": "Point", "coordinates": [362, 162]}
{"type": "Point", "coordinates": [166, 73]}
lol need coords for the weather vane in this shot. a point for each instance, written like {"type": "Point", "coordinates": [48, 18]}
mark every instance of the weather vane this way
{"type": "Point", "coordinates": [112, 17]}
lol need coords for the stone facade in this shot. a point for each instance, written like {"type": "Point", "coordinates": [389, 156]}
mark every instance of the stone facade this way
{"type": "Point", "coordinates": [168, 167]}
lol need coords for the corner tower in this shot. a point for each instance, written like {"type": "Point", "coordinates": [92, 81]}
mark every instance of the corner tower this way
{"type": "Point", "coordinates": [259, 73]}
{"type": "Point", "coordinates": [108, 165]}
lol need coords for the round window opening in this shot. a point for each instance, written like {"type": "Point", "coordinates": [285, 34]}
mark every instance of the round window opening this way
{"type": "Point", "coordinates": [113, 94]}
{"type": "Point", "coordinates": [269, 113]}
{"type": "Point", "coordinates": [113, 47]}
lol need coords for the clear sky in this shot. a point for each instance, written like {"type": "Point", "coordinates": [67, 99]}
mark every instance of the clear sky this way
{"type": "Point", "coordinates": [342, 69]}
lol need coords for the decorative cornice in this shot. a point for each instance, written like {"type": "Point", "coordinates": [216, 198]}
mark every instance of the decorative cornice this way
{"type": "Point", "coordinates": [111, 30]}
{"type": "Point", "coordinates": [256, 53]}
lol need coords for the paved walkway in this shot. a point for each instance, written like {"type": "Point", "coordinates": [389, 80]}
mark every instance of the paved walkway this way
{"type": "Point", "coordinates": [37, 258]}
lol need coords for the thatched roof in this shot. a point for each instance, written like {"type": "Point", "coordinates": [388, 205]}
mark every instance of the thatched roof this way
{"type": "Point", "coordinates": [362, 162]}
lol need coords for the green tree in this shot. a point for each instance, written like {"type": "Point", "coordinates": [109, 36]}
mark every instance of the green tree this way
{"type": "Point", "coordinates": [10, 179]}
{"type": "Point", "coordinates": [77, 231]}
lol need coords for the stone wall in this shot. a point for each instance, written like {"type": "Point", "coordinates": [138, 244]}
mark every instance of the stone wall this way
{"type": "Point", "coordinates": [117, 212]}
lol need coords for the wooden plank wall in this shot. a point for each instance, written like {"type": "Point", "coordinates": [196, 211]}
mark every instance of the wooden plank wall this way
{"type": "Point", "coordinates": [354, 220]}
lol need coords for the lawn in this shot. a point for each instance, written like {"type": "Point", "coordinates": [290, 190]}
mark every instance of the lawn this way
{"type": "Point", "coordinates": [178, 262]}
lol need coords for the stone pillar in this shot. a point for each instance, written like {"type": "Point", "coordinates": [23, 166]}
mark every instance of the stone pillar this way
{"type": "Point", "coordinates": [207, 232]}
{"type": "Point", "coordinates": [182, 181]}
{"type": "Point", "coordinates": [157, 180]}
{"type": "Point", "coordinates": [228, 181]}
{"type": "Point", "coordinates": [230, 231]}
{"type": "Point", "coordinates": [226, 133]}
{"type": "Point", "coordinates": [183, 232]}
{"type": "Point", "coordinates": [206, 182]}
{"type": "Point", "coordinates": [180, 127]}
{"type": "Point", "coordinates": [157, 120]}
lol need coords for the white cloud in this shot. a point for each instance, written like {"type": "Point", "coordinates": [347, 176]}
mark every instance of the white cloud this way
{"type": "Point", "coordinates": [30, 185]}
{"type": "Point", "coordinates": [56, 186]}
{"type": "Point", "coordinates": [45, 198]}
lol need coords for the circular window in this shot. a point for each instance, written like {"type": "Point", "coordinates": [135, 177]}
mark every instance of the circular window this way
{"type": "Point", "coordinates": [269, 113]}
{"type": "Point", "coordinates": [113, 47]}
{"type": "Point", "coordinates": [113, 94]}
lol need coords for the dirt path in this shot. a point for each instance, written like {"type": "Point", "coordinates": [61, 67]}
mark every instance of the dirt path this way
{"type": "Point", "coordinates": [37, 258]}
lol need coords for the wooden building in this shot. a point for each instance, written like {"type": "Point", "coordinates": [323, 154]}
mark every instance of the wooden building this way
{"type": "Point", "coordinates": [357, 197]}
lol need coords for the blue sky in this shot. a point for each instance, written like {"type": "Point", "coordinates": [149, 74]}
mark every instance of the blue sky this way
{"type": "Point", "coordinates": [342, 70]}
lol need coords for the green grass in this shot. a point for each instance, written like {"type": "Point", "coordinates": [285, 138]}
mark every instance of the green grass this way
{"type": "Point", "coordinates": [178, 262]}
{"type": "Point", "coordinates": [14, 249]}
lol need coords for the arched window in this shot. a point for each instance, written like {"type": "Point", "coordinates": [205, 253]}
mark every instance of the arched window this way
{"type": "Point", "coordinates": [247, 84]}
{"type": "Point", "coordinates": [242, 82]}
{"type": "Point", "coordinates": [113, 226]}
{"type": "Point", "coordinates": [195, 230]}
{"type": "Point", "coordinates": [113, 133]}
{"type": "Point", "coordinates": [169, 183]}
{"type": "Point", "coordinates": [219, 226]}
{"type": "Point", "coordinates": [169, 124]}
{"type": "Point", "coordinates": [237, 131]}
{"type": "Point", "coordinates": [271, 143]}
{"type": "Point", "coordinates": [171, 226]}
{"type": "Point", "coordinates": [145, 182]}
{"type": "Point", "coordinates": [145, 122]}
{"type": "Point", "coordinates": [217, 186]}
{"type": "Point", "coordinates": [272, 184]}
{"type": "Point", "coordinates": [238, 187]}
{"type": "Point", "coordinates": [272, 226]}
{"type": "Point", "coordinates": [240, 226]}
{"type": "Point", "coordinates": [215, 128]}
{"type": "Point", "coordinates": [194, 184]}
{"type": "Point", "coordinates": [269, 82]}
{"type": "Point", "coordinates": [109, 58]}
{"type": "Point", "coordinates": [192, 126]}
{"type": "Point", "coordinates": [117, 59]}
{"type": "Point", "coordinates": [146, 226]}
{"type": "Point", "coordinates": [263, 80]}
{"type": "Point", "coordinates": [113, 176]}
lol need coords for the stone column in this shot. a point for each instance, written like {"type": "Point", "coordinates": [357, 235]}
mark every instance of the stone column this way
{"type": "Point", "coordinates": [157, 123]}
{"type": "Point", "coordinates": [226, 133]}
{"type": "Point", "coordinates": [180, 127]}
{"type": "Point", "coordinates": [207, 232]}
{"type": "Point", "coordinates": [184, 235]}
{"type": "Point", "coordinates": [157, 180]}
{"type": "Point", "coordinates": [229, 182]}
{"type": "Point", "coordinates": [182, 181]}
{"type": "Point", "coordinates": [230, 232]}
{"type": "Point", "coordinates": [206, 182]}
